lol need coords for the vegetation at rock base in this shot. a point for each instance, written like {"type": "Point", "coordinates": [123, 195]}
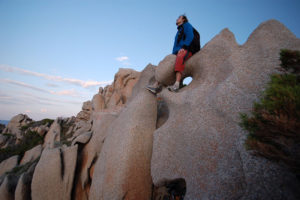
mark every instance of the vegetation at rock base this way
{"type": "Point", "coordinates": [20, 169]}
{"type": "Point", "coordinates": [64, 136]}
{"type": "Point", "coordinates": [274, 124]}
{"type": "Point", "coordinates": [37, 123]}
{"type": "Point", "coordinates": [30, 140]}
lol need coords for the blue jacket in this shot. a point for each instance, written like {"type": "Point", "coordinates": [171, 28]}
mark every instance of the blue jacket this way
{"type": "Point", "coordinates": [184, 37]}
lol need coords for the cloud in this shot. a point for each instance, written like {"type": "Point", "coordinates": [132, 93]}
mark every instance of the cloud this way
{"type": "Point", "coordinates": [122, 58]}
{"type": "Point", "coordinates": [72, 93]}
{"type": "Point", "coordinates": [3, 96]}
{"type": "Point", "coordinates": [84, 84]}
{"type": "Point", "coordinates": [43, 110]}
{"type": "Point", "coordinates": [24, 85]}
{"type": "Point", "coordinates": [50, 100]}
{"type": "Point", "coordinates": [52, 85]}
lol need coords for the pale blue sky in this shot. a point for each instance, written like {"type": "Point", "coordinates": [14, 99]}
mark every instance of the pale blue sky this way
{"type": "Point", "coordinates": [54, 55]}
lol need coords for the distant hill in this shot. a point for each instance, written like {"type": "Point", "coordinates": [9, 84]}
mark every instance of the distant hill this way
{"type": "Point", "coordinates": [4, 122]}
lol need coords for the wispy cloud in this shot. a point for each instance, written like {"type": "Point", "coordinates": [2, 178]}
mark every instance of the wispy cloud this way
{"type": "Point", "coordinates": [22, 84]}
{"type": "Point", "coordinates": [122, 58]}
{"type": "Point", "coordinates": [84, 84]}
{"type": "Point", "coordinates": [71, 92]}
{"type": "Point", "coordinates": [3, 96]}
{"type": "Point", "coordinates": [23, 98]}
{"type": "Point", "coordinates": [52, 85]}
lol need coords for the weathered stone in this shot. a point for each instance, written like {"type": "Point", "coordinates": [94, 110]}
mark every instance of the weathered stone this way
{"type": "Point", "coordinates": [98, 102]}
{"type": "Point", "coordinates": [118, 93]}
{"type": "Point", "coordinates": [87, 106]}
{"type": "Point", "coordinates": [86, 111]}
{"type": "Point", "coordinates": [42, 130]}
{"type": "Point", "coordinates": [90, 152]}
{"type": "Point", "coordinates": [23, 188]}
{"type": "Point", "coordinates": [146, 78]}
{"type": "Point", "coordinates": [8, 164]}
{"type": "Point", "coordinates": [15, 124]}
{"type": "Point", "coordinates": [54, 174]}
{"type": "Point", "coordinates": [201, 141]}
{"type": "Point", "coordinates": [81, 127]}
{"type": "Point", "coordinates": [162, 112]}
{"type": "Point", "coordinates": [3, 139]}
{"type": "Point", "coordinates": [123, 167]}
{"type": "Point", "coordinates": [53, 135]}
{"type": "Point", "coordinates": [31, 154]}
{"type": "Point", "coordinates": [83, 138]}
{"type": "Point", "coordinates": [164, 73]}
{"type": "Point", "coordinates": [8, 187]}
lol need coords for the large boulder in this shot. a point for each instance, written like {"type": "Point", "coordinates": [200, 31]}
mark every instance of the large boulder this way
{"type": "Point", "coordinates": [98, 101]}
{"type": "Point", "coordinates": [3, 139]}
{"type": "Point", "coordinates": [15, 124]}
{"type": "Point", "coordinates": [83, 138]}
{"type": "Point", "coordinates": [32, 154]}
{"type": "Point", "coordinates": [8, 187]}
{"type": "Point", "coordinates": [164, 72]}
{"type": "Point", "coordinates": [42, 130]}
{"type": "Point", "coordinates": [90, 152]}
{"type": "Point", "coordinates": [23, 188]}
{"type": "Point", "coordinates": [122, 170]}
{"type": "Point", "coordinates": [86, 111]}
{"type": "Point", "coordinates": [201, 141]}
{"type": "Point", "coordinates": [8, 164]}
{"type": "Point", "coordinates": [118, 93]}
{"type": "Point", "coordinates": [54, 174]}
{"type": "Point", "coordinates": [53, 135]}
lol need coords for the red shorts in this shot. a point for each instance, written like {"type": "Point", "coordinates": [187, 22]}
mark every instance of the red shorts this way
{"type": "Point", "coordinates": [181, 58]}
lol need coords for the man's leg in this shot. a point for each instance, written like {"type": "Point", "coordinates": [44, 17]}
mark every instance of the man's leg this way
{"type": "Point", "coordinates": [178, 76]}
{"type": "Point", "coordinates": [175, 87]}
{"type": "Point", "coordinates": [181, 57]}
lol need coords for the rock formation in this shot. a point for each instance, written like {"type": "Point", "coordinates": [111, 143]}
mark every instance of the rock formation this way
{"type": "Point", "coordinates": [201, 141]}
{"type": "Point", "coordinates": [57, 183]}
{"type": "Point", "coordinates": [127, 143]}
{"type": "Point", "coordinates": [15, 124]}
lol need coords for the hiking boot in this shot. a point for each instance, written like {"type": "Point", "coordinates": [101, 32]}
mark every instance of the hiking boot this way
{"type": "Point", "coordinates": [173, 88]}
{"type": "Point", "coordinates": [154, 90]}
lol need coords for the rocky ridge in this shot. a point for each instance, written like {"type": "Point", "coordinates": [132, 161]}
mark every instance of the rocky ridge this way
{"type": "Point", "coordinates": [127, 143]}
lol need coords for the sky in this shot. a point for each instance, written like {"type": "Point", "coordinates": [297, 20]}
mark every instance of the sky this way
{"type": "Point", "coordinates": [55, 54]}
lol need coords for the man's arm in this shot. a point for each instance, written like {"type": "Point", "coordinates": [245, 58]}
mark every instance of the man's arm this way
{"type": "Point", "coordinates": [175, 47]}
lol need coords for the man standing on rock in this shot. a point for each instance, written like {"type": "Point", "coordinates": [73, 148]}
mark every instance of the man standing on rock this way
{"type": "Point", "coordinates": [187, 42]}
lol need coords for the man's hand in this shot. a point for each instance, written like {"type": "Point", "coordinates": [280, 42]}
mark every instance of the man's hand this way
{"type": "Point", "coordinates": [181, 50]}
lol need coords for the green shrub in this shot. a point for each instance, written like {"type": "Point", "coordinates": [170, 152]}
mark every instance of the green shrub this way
{"type": "Point", "coordinates": [290, 60]}
{"type": "Point", "coordinates": [25, 127]}
{"type": "Point", "coordinates": [63, 134]}
{"type": "Point", "coordinates": [30, 140]}
{"type": "Point", "coordinates": [37, 123]}
{"type": "Point", "coordinates": [274, 124]}
{"type": "Point", "coordinates": [20, 169]}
